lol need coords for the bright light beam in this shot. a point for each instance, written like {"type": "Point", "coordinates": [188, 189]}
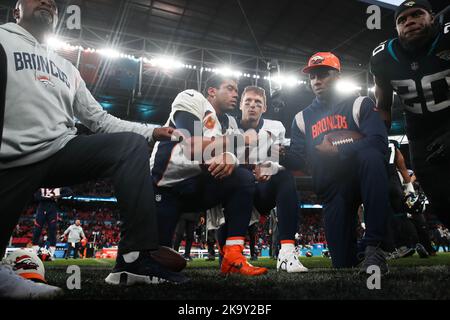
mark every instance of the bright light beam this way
{"type": "Point", "coordinates": [346, 86]}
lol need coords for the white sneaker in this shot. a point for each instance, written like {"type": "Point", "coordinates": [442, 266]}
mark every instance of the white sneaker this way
{"type": "Point", "coordinates": [13, 286]}
{"type": "Point", "coordinates": [288, 260]}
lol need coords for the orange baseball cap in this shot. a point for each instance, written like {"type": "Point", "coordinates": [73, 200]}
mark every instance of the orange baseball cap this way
{"type": "Point", "coordinates": [323, 59]}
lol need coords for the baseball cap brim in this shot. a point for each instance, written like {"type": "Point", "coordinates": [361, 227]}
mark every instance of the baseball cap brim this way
{"type": "Point", "coordinates": [33, 276]}
{"type": "Point", "coordinates": [309, 68]}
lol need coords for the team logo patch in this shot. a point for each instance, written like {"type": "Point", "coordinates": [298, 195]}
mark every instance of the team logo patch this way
{"type": "Point", "coordinates": [444, 55]}
{"type": "Point", "coordinates": [25, 263]}
{"type": "Point", "coordinates": [317, 60]}
{"type": "Point", "coordinates": [414, 66]}
{"type": "Point", "coordinates": [158, 197]}
{"type": "Point", "coordinates": [409, 4]}
{"type": "Point", "coordinates": [209, 122]}
{"type": "Point", "coordinates": [46, 81]}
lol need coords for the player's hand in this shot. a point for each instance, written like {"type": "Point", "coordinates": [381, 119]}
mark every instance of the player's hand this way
{"type": "Point", "coordinates": [222, 165]}
{"type": "Point", "coordinates": [163, 134]}
{"type": "Point", "coordinates": [259, 173]}
{"type": "Point", "coordinates": [410, 199]}
{"type": "Point", "coordinates": [439, 149]}
{"type": "Point", "coordinates": [327, 148]}
{"type": "Point", "coordinates": [275, 152]}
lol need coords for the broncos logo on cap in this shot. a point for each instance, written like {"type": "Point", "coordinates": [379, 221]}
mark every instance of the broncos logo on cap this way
{"type": "Point", "coordinates": [25, 263]}
{"type": "Point", "coordinates": [317, 60]}
{"type": "Point", "coordinates": [409, 4]}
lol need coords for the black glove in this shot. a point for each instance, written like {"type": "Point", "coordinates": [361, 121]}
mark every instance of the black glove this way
{"type": "Point", "coordinates": [439, 149]}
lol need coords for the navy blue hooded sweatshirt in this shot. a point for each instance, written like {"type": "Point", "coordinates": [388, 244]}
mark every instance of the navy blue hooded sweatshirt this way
{"type": "Point", "coordinates": [311, 125]}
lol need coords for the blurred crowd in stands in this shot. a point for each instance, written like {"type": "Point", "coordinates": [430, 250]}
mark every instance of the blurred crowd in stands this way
{"type": "Point", "coordinates": [101, 222]}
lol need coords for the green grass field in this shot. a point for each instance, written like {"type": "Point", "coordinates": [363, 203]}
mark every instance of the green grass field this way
{"type": "Point", "coordinates": [409, 278]}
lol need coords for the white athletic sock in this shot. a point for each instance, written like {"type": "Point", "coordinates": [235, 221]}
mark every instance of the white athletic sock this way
{"type": "Point", "coordinates": [35, 249]}
{"type": "Point", "coordinates": [131, 256]}
{"type": "Point", "coordinates": [52, 250]}
{"type": "Point", "coordinates": [287, 246]}
{"type": "Point", "coordinates": [233, 241]}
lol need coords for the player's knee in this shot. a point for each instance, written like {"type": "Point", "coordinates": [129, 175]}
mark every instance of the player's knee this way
{"type": "Point", "coordinates": [285, 177]}
{"type": "Point", "coordinates": [133, 142]}
{"type": "Point", "coordinates": [243, 178]}
{"type": "Point", "coordinates": [129, 146]}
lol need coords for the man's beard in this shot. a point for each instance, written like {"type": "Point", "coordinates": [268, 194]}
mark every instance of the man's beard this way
{"type": "Point", "coordinates": [43, 19]}
{"type": "Point", "coordinates": [419, 42]}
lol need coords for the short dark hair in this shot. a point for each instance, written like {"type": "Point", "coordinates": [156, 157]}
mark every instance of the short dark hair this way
{"type": "Point", "coordinates": [215, 81]}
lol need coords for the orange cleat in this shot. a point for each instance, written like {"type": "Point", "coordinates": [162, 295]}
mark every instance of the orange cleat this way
{"type": "Point", "coordinates": [235, 262]}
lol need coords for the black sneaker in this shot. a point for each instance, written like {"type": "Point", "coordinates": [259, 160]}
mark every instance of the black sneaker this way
{"type": "Point", "coordinates": [145, 270]}
{"type": "Point", "coordinates": [422, 252]}
{"type": "Point", "coordinates": [402, 252]}
{"type": "Point", "coordinates": [187, 258]}
{"type": "Point", "coordinates": [374, 256]}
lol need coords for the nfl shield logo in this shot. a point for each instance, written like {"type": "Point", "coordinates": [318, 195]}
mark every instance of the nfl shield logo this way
{"type": "Point", "coordinates": [158, 198]}
{"type": "Point", "coordinates": [414, 66]}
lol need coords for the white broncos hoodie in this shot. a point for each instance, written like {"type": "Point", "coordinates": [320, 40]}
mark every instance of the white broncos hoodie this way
{"type": "Point", "coordinates": [44, 93]}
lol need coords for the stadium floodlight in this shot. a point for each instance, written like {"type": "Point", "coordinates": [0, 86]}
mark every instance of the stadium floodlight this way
{"type": "Point", "coordinates": [109, 53]}
{"type": "Point", "coordinates": [165, 62]}
{"type": "Point", "coordinates": [56, 44]}
{"type": "Point", "coordinates": [128, 56]}
{"type": "Point", "coordinates": [347, 86]}
{"type": "Point", "coordinates": [287, 80]}
{"type": "Point", "coordinates": [228, 71]}
{"type": "Point", "coordinates": [290, 81]}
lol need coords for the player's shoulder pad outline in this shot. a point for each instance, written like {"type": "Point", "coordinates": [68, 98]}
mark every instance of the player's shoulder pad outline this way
{"type": "Point", "coordinates": [300, 121]}
{"type": "Point", "coordinates": [383, 50]}
{"type": "Point", "coordinates": [446, 28]}
{"type": "Point", "coordinates": [356, 108]}
{"type": "Point", "coordinates": [190, 101]}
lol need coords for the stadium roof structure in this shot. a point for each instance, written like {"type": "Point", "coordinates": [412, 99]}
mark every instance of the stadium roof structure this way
{"type": "Point", "coordinates": [205, 35]}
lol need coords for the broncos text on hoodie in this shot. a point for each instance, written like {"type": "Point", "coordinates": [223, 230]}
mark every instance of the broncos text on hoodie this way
{"type": "Point", "coordinates": [44, 95]}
